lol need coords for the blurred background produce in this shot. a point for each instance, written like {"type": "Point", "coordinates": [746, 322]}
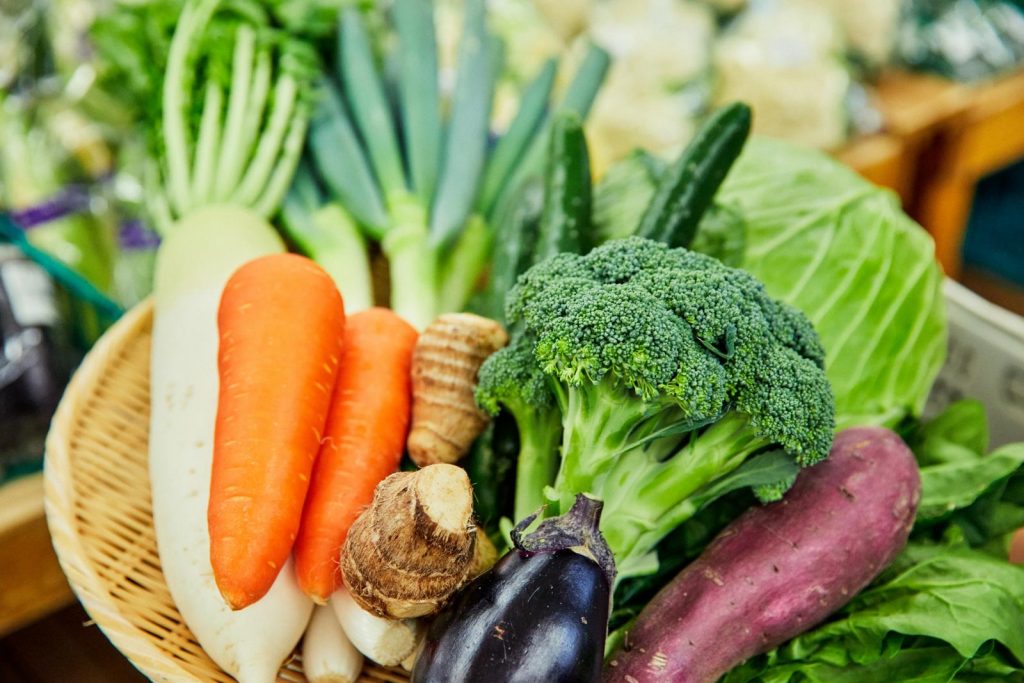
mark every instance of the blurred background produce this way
{"type": "Point", "coordinates": [925, 97]}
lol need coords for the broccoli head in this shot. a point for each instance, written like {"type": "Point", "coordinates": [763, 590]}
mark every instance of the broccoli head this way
{"type": "Point", "coordinates": [671, 373]}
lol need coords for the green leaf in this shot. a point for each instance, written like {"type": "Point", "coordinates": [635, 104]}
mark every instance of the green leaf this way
{"type": "Point", "coordinates": [532, 107]}
{"type": "Point", "coordinates": [937, 614]}
{"type": "Point", "coordinates": [959, 433]}
{"type": "Point", "coordinates": [841, 250]}
{"type": "Point", "coordinates": [582, 91]}
{"type": "Point", "coordinates": [962, 597]}
{"type": "Point", "coordinates": [921, 665]}
{"type": "Point", "coordinates": [466, 143]}
{"type": "Point", "coordinates": [578, 99]}
{"type": "Point", "coordinates": [418, 92]}
{"type": "Point", "coordinates": [365, 95]}
{"type": "Point", "coordinates": [955, 485]}
{"type": "Point", "coordinates": [342, 165]}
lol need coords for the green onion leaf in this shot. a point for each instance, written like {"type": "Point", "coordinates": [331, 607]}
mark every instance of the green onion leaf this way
{"type": "Point", "coordinates": [466, 144]}
{"type": "Point", "coordinates": [578, 99]}
{"type": "Point", "coordinates": [509, 149]}
{"type": "Point", "coordinates": [418, 94]}
{"type": "Point", "coordinates": [370, 110]}
{"type": "Point", "coordinates": [342, 164]}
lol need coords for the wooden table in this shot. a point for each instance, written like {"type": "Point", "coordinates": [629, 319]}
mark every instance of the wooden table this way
{"type": "Point", "coordinates": [940, 138]}
{"type": "Point", "coordinates": [884, 160]}
{"type": "Point", "coordinates": [917, 109]}
{"type": "Point", "coordinates": [32, 584]}
{"type": "Point", "coordinates": [986, 136]}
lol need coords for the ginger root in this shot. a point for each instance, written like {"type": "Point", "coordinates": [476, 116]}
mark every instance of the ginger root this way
{"type": "Point", "coordinates": [445, 417]}
{"type": "Point", "coordinates": [414, 546]}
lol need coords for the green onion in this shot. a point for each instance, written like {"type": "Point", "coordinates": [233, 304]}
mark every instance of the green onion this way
{"type": "Point", "coordinates": [418, 93]}
{"type": "Point", "coordinates": [369, 104]}
{"type": "Point", "coordinates": [342, 165]}
{"type": "Point", "coordinates": [466, 144]}
{"type": "Point", "coordinates": [509, 149]}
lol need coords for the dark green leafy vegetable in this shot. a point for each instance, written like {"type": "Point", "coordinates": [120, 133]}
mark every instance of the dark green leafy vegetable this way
{"type": "Point", "coordinates": [950, 607]}
{"type": "Point", "coordinates": [954, 604]}
{"type": "Point", "coordinates": [959, 433]}
{"type": "Point", "coordinates": [955, 486]}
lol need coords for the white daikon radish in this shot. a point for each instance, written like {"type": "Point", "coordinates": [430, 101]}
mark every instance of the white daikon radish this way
{"type": "Point", "coordinates": [385, 641]}
{"type": "Point", "coordinates": [193, 264]}
{"type": "Point", "coordinates": [328, 656]}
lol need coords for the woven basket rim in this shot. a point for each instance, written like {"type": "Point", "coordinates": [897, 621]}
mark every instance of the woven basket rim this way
{"type": "Point", "coordinates": [59, 505]}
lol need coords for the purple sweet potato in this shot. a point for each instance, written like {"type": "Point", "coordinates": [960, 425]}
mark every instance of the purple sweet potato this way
{"type": "Point", "coordinates": [779, 569]}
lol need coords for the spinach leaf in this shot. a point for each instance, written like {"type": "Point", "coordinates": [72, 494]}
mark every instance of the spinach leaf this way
{"type": "Point", "coordinates": [955, 485]}
{"type": "Point", "coordinates": [959, 433]}
{"type": "Point", "coordinates": [939, 613]}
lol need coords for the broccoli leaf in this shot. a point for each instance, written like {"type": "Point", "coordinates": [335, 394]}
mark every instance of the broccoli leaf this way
{"type": "Point", "coordinates": [841, 250]}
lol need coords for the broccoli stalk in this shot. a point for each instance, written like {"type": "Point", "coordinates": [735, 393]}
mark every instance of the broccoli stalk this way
{"type": "Point", "coordinates": [676, 379]}
{"type": "Point", "coordinates": [517, 386]}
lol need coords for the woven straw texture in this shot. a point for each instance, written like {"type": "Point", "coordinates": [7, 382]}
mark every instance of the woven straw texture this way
{"type": "Point", "coordinates": [99, 513]}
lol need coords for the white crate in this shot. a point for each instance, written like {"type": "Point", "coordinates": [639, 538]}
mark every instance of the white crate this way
{"type": "Point", "coordinates": [985, 361]}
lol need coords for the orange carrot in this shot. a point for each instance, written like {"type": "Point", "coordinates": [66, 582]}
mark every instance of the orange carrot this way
{"type": "Point", "coordinates": [363, 443]}
{"type": "Point", "coordinates": [281, 323]}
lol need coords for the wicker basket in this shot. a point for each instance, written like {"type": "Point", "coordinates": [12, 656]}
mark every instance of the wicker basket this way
{"type": "Point", "coordinates": [99, 513]}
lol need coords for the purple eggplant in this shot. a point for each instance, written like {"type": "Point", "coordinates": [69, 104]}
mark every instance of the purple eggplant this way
{"type": "Point", "coordinates": [540, 614]}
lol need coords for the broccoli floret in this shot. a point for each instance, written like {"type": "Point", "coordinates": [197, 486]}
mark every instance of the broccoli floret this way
{"type": "Point", "coordinates": [511, 380]}
{"type": "Point", "coordinates": [671, 371]}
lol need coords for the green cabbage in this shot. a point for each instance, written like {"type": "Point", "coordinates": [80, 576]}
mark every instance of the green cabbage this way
{"type": "Point", "coordinates": [842, 250]}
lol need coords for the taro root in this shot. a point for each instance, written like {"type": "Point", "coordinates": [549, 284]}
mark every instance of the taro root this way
{"type": "Point", "coordinates": [414, 546]}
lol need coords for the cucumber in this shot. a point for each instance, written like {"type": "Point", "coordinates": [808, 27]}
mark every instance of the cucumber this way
{"type": "Point", "coordinates": [565, 221]}
{"type": "Point", "coordinates": [688, 186]}
{"type": "Point", "coordinates": [512, 252]}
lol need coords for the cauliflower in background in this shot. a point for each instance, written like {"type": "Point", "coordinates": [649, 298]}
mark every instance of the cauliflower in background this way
{"type": "Point", "coordinates": [627, 116]}
{"type": "Point", "coordinates": [568, 17]}
{"type": "Point", "coordinates": [785, 59]}
{"type": "Point", "coordinates": [671, 62]}
{"type": "Point", "coordinates": [870, 26]}
{"type": "Point", "coordinates": [658, 48]}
